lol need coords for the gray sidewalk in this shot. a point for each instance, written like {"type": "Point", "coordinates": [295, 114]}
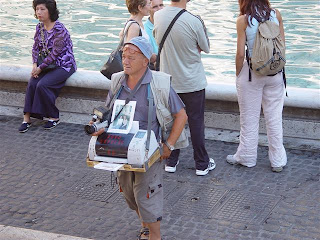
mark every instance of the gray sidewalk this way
{"type": "Point", "coordinates": [46, 186]}
{"type": "Point", "coordinates": [14, 233]}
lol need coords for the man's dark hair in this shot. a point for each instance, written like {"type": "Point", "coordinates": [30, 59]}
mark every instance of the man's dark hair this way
{"type": "Point", "coordinates": [51, 5]}
{"type": "Point", "coordinates": [175, 0]}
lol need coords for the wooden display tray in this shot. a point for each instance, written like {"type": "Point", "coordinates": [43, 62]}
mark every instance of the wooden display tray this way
{"type": "Point", "coordinates": [127, 167]}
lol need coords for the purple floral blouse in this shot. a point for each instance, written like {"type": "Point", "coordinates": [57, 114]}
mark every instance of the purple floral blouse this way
{"type": "Point", "coordinates": [59, 44]}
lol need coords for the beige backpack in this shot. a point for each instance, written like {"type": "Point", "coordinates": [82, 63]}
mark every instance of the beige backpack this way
{"type": "Point", "coordinates": [268, 54]}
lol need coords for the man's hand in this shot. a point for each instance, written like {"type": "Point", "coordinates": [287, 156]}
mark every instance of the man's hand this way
{"type": "Point", "coordinates": [199, 49]}
{"type": "Point", "coordinates": [166, 152]}
{"type": "Point", "coordinates": [179, 122]}
{"type": "Point", "coordinates": [98, 132]}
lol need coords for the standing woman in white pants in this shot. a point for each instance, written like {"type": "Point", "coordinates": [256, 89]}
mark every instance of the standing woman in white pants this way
{"type": "Point", "coordinates": [265, 91]}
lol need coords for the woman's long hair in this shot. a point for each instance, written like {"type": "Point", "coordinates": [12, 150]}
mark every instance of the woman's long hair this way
{"type": "Point", "coordinates": [258, 9]}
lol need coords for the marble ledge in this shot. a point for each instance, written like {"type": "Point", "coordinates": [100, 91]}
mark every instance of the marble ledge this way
{"type": "Point", "coordinates": [298, 97]}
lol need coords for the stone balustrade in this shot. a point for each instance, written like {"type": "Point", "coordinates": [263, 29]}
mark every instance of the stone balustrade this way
{"type": "Point", "coordinates": [85, 90]}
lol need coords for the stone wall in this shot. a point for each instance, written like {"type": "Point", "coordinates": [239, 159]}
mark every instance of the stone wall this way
{"type": "Point", "coordinates": [86, 89]}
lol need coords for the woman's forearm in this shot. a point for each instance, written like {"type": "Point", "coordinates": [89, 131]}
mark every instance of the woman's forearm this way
{"type": "Point", "coordinates": [239, 63]}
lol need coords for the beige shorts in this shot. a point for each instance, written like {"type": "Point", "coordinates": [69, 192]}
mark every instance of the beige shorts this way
{"type": "Point", "coordinates": [144, 192]}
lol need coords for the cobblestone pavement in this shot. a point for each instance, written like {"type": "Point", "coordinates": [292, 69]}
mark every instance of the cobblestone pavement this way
{"type": "Point", "coordinates": [46, 186]}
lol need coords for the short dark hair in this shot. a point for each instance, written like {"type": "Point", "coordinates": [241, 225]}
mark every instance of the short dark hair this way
{"type": "Point", "coordinates": [133, 5]}
{"type": "Point", "coordinates": [175, 0]}
{"type": "Point", "coordinates": [51, 5]}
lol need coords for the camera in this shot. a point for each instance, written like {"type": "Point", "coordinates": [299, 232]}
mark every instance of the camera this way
{"type": "Point", "coordinates": [101, 118]}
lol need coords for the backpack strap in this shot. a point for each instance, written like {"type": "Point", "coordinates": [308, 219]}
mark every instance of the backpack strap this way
{"type": "Point", "coordinates": [284, 80]}
{"type": "Point", "coordinates": [248, 61]}
{"type": "Point", "coordinates": [150, 108]}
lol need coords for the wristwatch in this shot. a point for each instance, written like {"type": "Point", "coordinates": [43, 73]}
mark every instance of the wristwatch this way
{"type": "Point", "coordinates": [171, 148]}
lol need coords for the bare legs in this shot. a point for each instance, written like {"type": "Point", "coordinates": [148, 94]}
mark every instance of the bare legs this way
{"type": "Point", "coordinates": [154, 229]}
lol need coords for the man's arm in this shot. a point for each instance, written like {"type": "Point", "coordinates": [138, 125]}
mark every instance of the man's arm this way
{"type": "Point", "coordinates": [179, 122]}
{"type": "Point", "coordinates": [202, 37]}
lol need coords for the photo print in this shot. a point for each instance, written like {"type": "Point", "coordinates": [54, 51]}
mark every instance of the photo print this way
{"type": "Point", "coordinates": [123, 122]}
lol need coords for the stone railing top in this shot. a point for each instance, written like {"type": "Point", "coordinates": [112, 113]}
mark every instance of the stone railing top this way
{"type": "Point", "coordinates": [298, 97]}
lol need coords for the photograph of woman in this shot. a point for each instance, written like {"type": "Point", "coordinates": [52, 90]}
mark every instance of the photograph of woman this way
{"type": "Point", "coordinates": [124, 122]}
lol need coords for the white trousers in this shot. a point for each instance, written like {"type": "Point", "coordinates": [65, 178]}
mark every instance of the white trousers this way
{"type": "Point", "coordinates": [268, 92]}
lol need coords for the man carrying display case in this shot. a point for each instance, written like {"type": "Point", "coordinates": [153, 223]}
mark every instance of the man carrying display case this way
{"type": "Point", "coordinates": [143, 191]}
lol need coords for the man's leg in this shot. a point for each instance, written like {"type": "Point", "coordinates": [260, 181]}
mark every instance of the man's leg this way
{"type": "Point", "coordinates": [148, 192]}
{"type": "Point", "coordinates": [126, 181]}
{"type": "Point", "coordinates": [143, 224]}
{"type": "Point", "coordinates": [195, 102]}
{"type": "Point", "coordinates": [144, 232]}
{"type": "Point", "coordinates": [173, 159]}
{"type": "Point", "coordinates": [154, 229]}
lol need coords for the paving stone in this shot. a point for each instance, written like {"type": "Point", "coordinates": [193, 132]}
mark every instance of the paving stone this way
{"type": "Point", "coordinates": [271, 227]}
{"type": "Point", "coordinates": [40, 182]}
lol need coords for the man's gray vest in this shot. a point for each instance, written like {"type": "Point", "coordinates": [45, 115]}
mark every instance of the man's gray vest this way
{"type": "Point", "coordinates": [160, 87]}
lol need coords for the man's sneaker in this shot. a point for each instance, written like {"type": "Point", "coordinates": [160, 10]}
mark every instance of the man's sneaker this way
{"type": "Point", "coordinates": [171, 169]}
{"type": "Point", "coordinates": [24, 127]}
{"type": "Point", "coordinates": [277, 169]}
{"type": "Point", "coordinates": [51, 124]}
{"type": "Point", "coordinates": [211, 166]}
{"type": "Point", "coordinates": [231, 160]}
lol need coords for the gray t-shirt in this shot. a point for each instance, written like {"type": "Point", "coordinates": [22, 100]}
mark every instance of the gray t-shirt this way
{"type": "Point", "coordinates": [180, 56]}
{"type": "Point", "coordinates": [141, 96]}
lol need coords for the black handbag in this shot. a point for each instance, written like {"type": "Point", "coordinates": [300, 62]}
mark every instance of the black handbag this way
{"type": "Point", "coordinates": [44, 53]}
{"type": "Point", "coordinates": [114, 63]}
{"type": "Point", "coordinates": [41, 57]}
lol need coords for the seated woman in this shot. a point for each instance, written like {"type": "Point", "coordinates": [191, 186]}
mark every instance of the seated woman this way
{"type": "Point", "coordinates": [53, 64]}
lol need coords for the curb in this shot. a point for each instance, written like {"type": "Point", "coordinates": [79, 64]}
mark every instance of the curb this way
{"type": "Point", "coordinates": [15, 233]}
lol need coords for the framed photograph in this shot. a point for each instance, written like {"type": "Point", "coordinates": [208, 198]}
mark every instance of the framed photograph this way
{"type": "Point", "coordinates": [123, 122]}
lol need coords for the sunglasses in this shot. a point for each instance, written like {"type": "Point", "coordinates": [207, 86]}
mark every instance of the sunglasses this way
{"type": "Point", "coordinates": [130, 49]}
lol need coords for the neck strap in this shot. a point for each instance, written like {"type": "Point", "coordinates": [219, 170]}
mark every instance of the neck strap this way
{"type": "Point", "coordinates": [128, 99]}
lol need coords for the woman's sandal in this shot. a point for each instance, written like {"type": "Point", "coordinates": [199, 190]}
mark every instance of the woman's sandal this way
{"type": "Point", "coordinates": [144, 234]}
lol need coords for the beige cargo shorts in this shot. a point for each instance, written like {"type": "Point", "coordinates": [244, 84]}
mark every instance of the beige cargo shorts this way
{"type": "Point", "coordinates": [144, 191]}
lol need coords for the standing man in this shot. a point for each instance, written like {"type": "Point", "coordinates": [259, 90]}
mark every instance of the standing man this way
{"type": "Point", "coordinates": [181, 58]}
{"type": "Point", "coordinates": [143, 191]}
{"type": "Point", "coordinates": [156, 5]}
